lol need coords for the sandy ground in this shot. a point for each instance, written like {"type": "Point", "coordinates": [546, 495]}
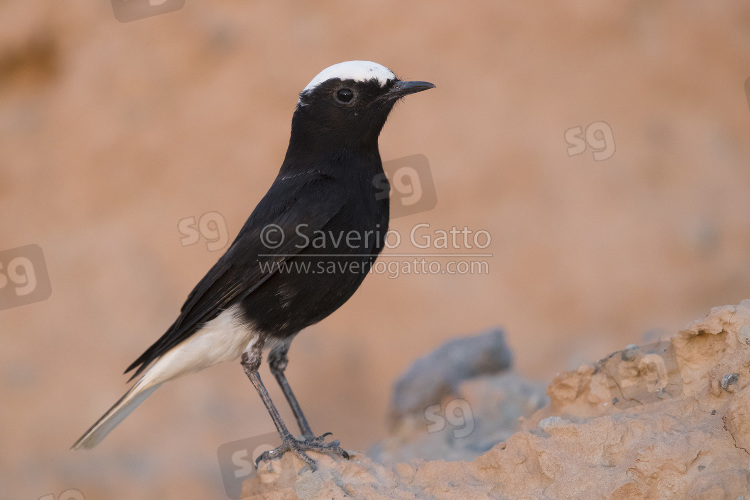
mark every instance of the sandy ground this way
{"type": "Point", "coordinates": [112, 133]}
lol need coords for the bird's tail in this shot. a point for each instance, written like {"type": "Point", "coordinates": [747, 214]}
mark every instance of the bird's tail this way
{"type": "Point", "coordinates": [135, 396]}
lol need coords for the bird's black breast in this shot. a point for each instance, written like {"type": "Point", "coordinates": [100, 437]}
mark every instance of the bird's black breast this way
{"type": "Point", "coordinates": [336, 258]}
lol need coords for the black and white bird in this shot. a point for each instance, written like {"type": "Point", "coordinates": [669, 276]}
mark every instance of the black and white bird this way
{"type": "Point", "coordinates": [294, 262]}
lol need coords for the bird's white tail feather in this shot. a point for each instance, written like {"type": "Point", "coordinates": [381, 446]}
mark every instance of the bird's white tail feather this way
{"type": "Point", "coordinates": [135, 396]}
{"type": "Point", "coordinates": [224, 338]}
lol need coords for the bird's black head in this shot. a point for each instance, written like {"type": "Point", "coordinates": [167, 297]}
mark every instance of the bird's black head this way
{"type": "Point", "coordinates": [347, 104]}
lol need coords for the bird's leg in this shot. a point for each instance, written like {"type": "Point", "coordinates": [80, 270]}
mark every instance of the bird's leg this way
{"type": "Point", "coordinates": [250, 363]}
{"type": "Point", "coordinates": [277, 361]}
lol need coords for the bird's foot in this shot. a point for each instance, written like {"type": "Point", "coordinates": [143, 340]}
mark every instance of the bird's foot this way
{"type": "Point", "coordinates": [299, 447]}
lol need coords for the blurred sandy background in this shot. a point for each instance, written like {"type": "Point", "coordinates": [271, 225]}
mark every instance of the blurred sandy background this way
{"type": "Point", "coordinates": [111, 133]}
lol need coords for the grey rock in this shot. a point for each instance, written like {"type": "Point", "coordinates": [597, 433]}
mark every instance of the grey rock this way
{"type": "Point", "coordinates": [438, 375]}
{"type": "Point", "coordinates": [486, 411]}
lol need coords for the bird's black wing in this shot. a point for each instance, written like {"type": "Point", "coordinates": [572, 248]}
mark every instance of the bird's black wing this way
{"type": "Point", "coordinates": [296, 208]}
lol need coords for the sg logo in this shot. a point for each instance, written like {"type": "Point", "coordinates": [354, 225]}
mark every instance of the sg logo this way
{"type": "Point", "coordinates": [598, 136]}
{"type": "Point", "coordinates": [23, 277]}
{"type": "Point", "coordinates": [237, 460]}
{"type": "Point", "coordinates": [411, 189]}
{"type": "Point", "coordinates": [458, 414]}
{"type": "Point", "coordinates": [210, 225]}
{"type": "Point", "coordinates": [132, 10]}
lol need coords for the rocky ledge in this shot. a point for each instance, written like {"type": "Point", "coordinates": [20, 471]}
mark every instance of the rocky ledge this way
{"type": "Point", "coordinates": [669, 419]}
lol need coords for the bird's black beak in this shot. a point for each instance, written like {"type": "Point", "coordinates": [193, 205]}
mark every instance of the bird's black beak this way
{"type": "Point", "coordinates": [401, 89]}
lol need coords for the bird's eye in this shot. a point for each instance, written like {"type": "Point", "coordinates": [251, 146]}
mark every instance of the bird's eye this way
{"type": "Point", "coordinates": [344, 95]}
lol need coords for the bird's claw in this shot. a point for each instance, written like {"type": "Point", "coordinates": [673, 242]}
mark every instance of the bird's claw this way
{"type": "Point", "coordinates": [319, 439]}
{"type": "Point", "coordinates": [299, 447]}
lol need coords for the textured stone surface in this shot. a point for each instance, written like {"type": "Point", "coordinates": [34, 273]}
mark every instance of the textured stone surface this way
{"type": "Point", "coordinates": [648, 422]}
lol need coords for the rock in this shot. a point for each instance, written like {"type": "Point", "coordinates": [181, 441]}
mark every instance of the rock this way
{"type": "Point", "coordinates": [648, 422]}
{"type": "Point", "coordinates": [436, 376]}
{"type": "Point", "coordinates": [737, 419]}
{"type": "Point", "coordinates": [457, 402]}
{"type": "Point", "coordinates": [483, 412]}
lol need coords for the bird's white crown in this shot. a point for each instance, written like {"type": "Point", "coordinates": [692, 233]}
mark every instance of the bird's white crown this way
{"type": "Point", "coordinates": [359, 71]}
